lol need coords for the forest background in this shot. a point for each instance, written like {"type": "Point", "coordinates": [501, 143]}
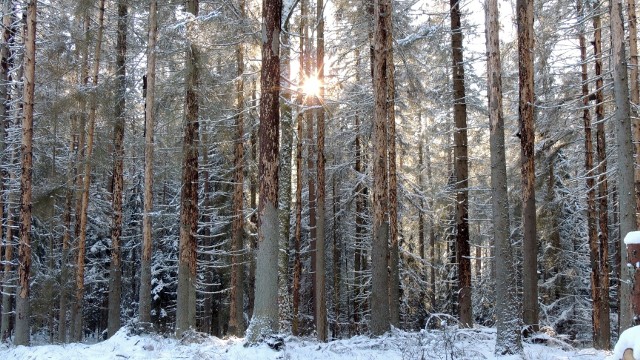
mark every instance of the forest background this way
{"type": "Point", "coordinates": [157, 138]}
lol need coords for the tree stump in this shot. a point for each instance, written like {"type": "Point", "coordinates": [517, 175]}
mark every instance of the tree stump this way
{"type": "Point", "coordinates": [628, 355]}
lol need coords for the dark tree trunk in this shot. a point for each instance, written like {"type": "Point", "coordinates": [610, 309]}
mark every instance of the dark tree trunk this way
{"type": "Point", "coordinates": [186, 304]}
{"type": "Point", "coordinates": [394, 251]}
{"type": "Point", "coordinates": [22, 336]}
{"type": "Point", "coordinates": [603, 187]}
{"type": "Point", "coordinates": [527, 140]}
{"type": "Point", "coordinates": [236, 308]}
{"type": "Point", "coordinates": [463, 250]}
{"type": "Point", "coordinates": [380, 249]}
{"type": "Point", "coordinates": [115, 271]}
{"type": "Point", "coordinates": [320, 291]}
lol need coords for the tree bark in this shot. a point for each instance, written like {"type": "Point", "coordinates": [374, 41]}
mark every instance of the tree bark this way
{"type": "Point", "coordinates": [144, 297]}
{"type": "Point", "coordinates": [265, 316]}
{"type": "Point", "coordinates": [236, 308]}
{"type": "Point", "coordinates": [320, 290]}
{"type": "Point", "coordinates": [115, 271]}
{"type": "Point", "coordinates": [635, 96]}
{"type": "Point", "coordinates": [508, 339]}
{"type": "Point", "coordinates": [5, 89]}
{"type": "Point", "coordinates": [527, 140]}
{"type": "Point", "coordinates": [422, 245]}
{"type": "Point", "coordinates": [311, 181]}
{"type": "Point", "coordinates": [463, 250]}
{"type": "Point", "coordinates": [284, 276]}
{"type": "Point", "coordinates": [360, 195]}
{"type": "Point", "coordinates": [7, 119]}
{"type": "Point", "coordinates": [431, 223]}
{"type": "Point", "coordinates": [86, 183]}
{"type": "Point", "coordinates": [394, 260]}
{"type": "Point", "coordinates": [598, 321]}
{"type": "Point", "coordinates": [253, 195]}
{"type": "Point", "coordinates": [186, 302]}
{"type": "Point", "coordinates": [380, 250]}
{"type": "Point", "coordinates": [22, 336]}
{"type": "Point", "coordinates": [72, 172]}
{"type": "Point", "coordinates": [297, 262]}
{"type": "Point", "coordinates": [78, 181]}
{"type": "Point", "coordinates": [603, 187]}
{"type": "Point", "coordinates": [337, 261]}
{"type": "Point", "coordinates": [625, 157]}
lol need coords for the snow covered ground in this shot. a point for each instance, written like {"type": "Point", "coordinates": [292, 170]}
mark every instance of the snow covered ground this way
{"type": "Point", "coordinates": [449, 344]}
{"type": "Point", "coordinates": [629, 339]}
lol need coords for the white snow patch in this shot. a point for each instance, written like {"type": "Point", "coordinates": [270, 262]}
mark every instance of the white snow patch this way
{"type": "Point", "coordinates": [633, 237]}
{"type": "Point", "coordinates": [446, 343]}
{"type": "Point", "coordinates": [629, 339]}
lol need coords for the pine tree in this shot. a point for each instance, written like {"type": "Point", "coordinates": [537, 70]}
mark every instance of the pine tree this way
{"type": "Point", "coordinates": [265, 317]}
{"type": "Point", "coordinates": [24, 251]}
{"type": "Point", "coordinates": [379, 251]}
{"type": "Point", "coordinates": [144, 297]}
{"type": "Point", "coordinates": [115, 271]}
{"type": "Point", "coordinates": [186, 302]}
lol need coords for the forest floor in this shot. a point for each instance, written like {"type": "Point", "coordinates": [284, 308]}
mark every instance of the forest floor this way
{"type": "Point", "coordinates": [451, 344]}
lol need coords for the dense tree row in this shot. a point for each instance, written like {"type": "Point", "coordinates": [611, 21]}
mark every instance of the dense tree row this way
{"type": "Point", "coordinates": [305, 167]}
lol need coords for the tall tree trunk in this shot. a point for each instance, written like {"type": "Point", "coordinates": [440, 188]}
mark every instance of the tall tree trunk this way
{"type": "Point", "coordinates": [24, 251]}
{"type": "Point", "coordinates": [265, 316]}
{"type": "Point", "coordinates": [625, 157]}
{"type": "Point", "coordinates": [115, 271]}
{"type": "Point", "coordinates": [592, 230]}
{"type": "Point", "coordinates": [8, 288]}
{"type": "Point", "coordinates": [527, 140]}
{"type": "Point", "coordinates": [635, 96]}
{"type": "Point", "coordinates": [508, 326]}
{"type": "Point", "coordinates": [144, 297]}
{"type": "Point", "coordinates": [422, 246]}
{"type": "Point", "coordinates": [337, 263]}
{"type": "Point", "coordinates": [297, 262]}
{"type": "Point", "coordinates": [80, 263]}
{"type": "Point", "coordinates": [236, 308]}
{"type": "Point", "coordinates": [432, 231]}
{"type": "Point", "coordinates": [360, 228]}
{"type": "Point", "coordinates": [207, 320]}
{"type": "Point", "coordinates": [186, 304]}
{"type": "Point", "coordinates": [320, 290]}
{"type": "Point", "coordinates": [284, 278]}
{"type": "Point", "coordinates": [311, 180]}
{"type": "Point", "coordinates": [5, 88]}
{"type": "Point", "coordinates": [253, 195]}
{"type": "Point", "coordinates": [603, 187]}
{"type": "Point", "coordinates": [463, 250]}
{"type": "Point", "coordinates": [394, 258]}
{"type": "Point", "coordinates": [72, 172]}
{"type": "Point", "coordinates": [7, 64]}
{"type": "Point", "coordinates": [380, 250]}
{"type": "Point", "coordinates": [78, 185]}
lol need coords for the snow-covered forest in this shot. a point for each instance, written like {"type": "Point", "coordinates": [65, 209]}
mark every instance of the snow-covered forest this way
{"type": "Point", "coordinates": [397, 179]}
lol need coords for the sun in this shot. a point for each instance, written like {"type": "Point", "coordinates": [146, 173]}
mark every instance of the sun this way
{"type": "Point", "coordinates": [311, 86]}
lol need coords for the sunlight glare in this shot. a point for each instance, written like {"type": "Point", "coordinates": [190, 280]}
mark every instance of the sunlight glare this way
{"type": "Point", "coordinates": [311, 86]}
